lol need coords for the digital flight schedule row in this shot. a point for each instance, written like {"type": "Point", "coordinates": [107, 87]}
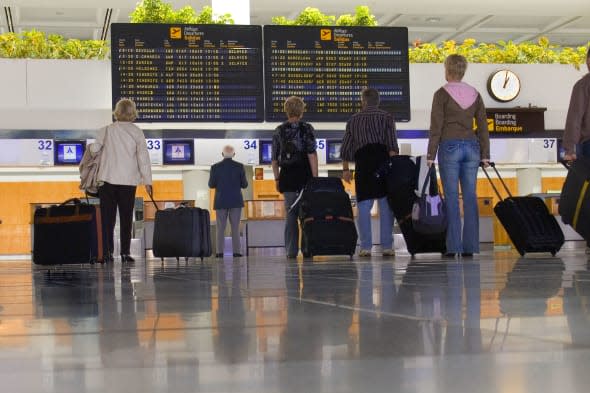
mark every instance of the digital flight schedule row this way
{"type": "Point", "coordinates": [191, 73]}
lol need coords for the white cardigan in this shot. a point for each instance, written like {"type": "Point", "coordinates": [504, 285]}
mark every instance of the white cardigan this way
{"type": "Point", "coordinates": [125, 159]}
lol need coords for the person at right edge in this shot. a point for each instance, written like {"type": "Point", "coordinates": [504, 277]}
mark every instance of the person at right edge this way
{"type": "Point", "coordinates": [294, 162]}
{"type": "Point", "coordinates": [124, 163]}
{"type": "Point", "coordinates": [369, 141]}
{"type": "Point", "coordinates": [460, 152]}
{"type": "Point", "coordinates": [577, 124]}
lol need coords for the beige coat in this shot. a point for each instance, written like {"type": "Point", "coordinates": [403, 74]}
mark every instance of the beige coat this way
{"type": "Point", "coordinates": [125, 159]}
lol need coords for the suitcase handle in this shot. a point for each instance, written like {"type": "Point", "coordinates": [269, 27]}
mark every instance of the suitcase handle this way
{"type": "Point", "coordinates": [154, 202]}
{"type": "Point", "coordinates": [493, 165]}
{"type": "Point", "coordinates": [566, 164]}
{"type": "Point", "coordinates": [73, 201]}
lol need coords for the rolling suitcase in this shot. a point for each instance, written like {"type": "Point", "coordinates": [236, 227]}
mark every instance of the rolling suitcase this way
{"type": "Point", "coordinates": [326, 215]}
{"type": "Point", "coordinates": [182, 232]}
{"type": "Point", "coordinates": [574, 202]}
{"type": "Point", "coordinates": [67, 233]}
{"type": "Point", "coordinates": [527, 220]}
{"type": "Point", "coordinates": [402, 182]}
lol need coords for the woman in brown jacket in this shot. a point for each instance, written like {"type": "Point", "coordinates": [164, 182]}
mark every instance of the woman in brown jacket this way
{"type": "Point", "coordinates": [460, 151]}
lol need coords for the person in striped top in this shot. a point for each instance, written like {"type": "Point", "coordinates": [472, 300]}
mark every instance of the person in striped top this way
{"type": "Point", "coordinates": [368, 141]}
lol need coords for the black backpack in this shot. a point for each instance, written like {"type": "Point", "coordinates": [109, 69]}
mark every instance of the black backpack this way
{"type": "Point", "coordinates": [291, 150]}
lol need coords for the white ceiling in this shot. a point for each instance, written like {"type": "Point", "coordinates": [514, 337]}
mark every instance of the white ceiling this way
{"type": "Point", "coordinates": [565, 22]}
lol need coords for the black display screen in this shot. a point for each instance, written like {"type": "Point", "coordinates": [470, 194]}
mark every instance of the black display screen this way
{"type": "Point", "coordinates": [178, 152]}
{"type": "Point", "coordinates": [68, 152]}
{"type": "Point", "coordinates": [189, 73]}
{"type": "Point", "coordinates": [329, 66]}
{"type": "Point", "coordinates": [265, 152]}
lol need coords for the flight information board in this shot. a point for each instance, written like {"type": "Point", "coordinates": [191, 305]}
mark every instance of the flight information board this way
{"type": "Point", "coordinates": [186, 73]}
{"type": "Point", "coordinates": [329, 66]}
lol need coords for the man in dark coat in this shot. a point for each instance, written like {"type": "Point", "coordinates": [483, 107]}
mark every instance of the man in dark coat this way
{"type": "Point", "coordinates": [228, 177]}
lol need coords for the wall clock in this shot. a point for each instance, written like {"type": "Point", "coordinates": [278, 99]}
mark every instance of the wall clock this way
{"type": "Point", "coordinates": [503, 85]}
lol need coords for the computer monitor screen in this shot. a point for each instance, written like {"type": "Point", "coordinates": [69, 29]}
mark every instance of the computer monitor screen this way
{"type": "Point", "coordinates": [265, 152]}
{"type": "Point", "coordinates": [333, 151]}
{"type": "Point", "coordinates": [68, 152]}
{"type": "Point", "coordinates": [178, 152]}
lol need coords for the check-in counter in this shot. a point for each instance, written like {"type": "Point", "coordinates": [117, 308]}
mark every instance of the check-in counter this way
{"type": "Point", "coordinates": [266, 223]}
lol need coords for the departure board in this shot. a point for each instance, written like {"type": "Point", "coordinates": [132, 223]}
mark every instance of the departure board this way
{"type": "Point", "coordinates": [189, 73]}
{"type": "Point", "coordinates": [329, 66]}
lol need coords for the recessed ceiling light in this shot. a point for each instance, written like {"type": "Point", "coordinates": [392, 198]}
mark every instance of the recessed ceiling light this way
{"type": "Point", "coordinates": [59, 13]}
{"type": "Point", "coordinates": [433, 20]}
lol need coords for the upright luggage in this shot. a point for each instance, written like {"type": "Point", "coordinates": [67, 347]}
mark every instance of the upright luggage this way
{"type": "Point", "coordinates": [67, 233]}
{"type": "Point", "coordinates": [527, 220]}
{"type": "Point", "coordinates": [574, 202]}
{"type": "Point", "coordinates": [328, 223]}
{"type": "Point", "coordinates": [401, 178]}
{"type": "Point", "coordinates": [182, 232]}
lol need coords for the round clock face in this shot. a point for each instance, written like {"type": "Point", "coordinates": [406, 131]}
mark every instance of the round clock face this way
{"type": "Point", "coordinates": [504, 85]}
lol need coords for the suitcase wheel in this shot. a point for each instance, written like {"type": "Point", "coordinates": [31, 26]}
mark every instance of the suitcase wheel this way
{"type": "Point", "coordinates": [553, 253]}
{"type": "Point", "coordinates": [92, 260]}
{"type": "Point", "coordinates": [521, 253]}
{"type": "Point", "coordinates": [177, 259]}
{"type": "Point", "coordinates": [185, 259]}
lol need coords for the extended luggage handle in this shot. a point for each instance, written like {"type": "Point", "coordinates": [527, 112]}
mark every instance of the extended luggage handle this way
{"type": "Point", "coordinates": [71, 201]}
{"type": "Point", "coordinates": [567, 164]}
{"type": "Point", "coordinates": [183, 204]}
{"type": "Point", "coordinates": [493, 165]}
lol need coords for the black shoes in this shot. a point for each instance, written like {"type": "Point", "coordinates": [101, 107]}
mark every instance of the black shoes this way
{"type": "Point", "coordinates": [219, 255]}
{"type": "Point", "coordinates": [127, 258]}
{"type": "Point", "coordinates": [449, 255]}
{"type": "Point", "coordinates": [467, 254]}
{"type": "Point", "coordinates": [237, 255]}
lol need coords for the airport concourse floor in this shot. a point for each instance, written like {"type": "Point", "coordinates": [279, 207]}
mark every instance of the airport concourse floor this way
{"type": "Point", "coordinates": [494, 323]}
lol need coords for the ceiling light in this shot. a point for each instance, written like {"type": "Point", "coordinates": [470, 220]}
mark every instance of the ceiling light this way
{"type": "Point", "coordinates": [59, 13]}
{"type": "Point", "coordinates": [432, 20]}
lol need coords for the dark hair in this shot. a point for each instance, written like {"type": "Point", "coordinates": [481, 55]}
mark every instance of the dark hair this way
{"type": "Point", "coordinates": [370, 96]}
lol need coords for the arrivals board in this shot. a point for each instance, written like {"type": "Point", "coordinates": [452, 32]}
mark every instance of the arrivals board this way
{"type": "Point", "coordinates": [329, 66]}
{"type": "Point", "coordinates": [189, 73]}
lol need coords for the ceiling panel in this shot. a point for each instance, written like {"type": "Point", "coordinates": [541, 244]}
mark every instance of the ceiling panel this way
{"type": "Point", "coordinates": [486, 37]}
{"type": "Point", "coordinates": [510, 21]}
{"type": "Point", "coordinates": [432, 21]}
{"type": "Point", "coordinates": [569, 39]}
{"type": "Point", "coordinates": [581, 23]}
{"type": "Point", "coordinates": [421, 36]}
{"type": "Point", "coordinates": [28, 15]}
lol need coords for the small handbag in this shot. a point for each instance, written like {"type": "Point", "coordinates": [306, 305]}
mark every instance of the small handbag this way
{"type": "Point", "coordinates": [429, 214]}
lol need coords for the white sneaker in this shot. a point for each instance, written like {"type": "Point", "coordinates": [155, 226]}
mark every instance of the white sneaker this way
{"type": "Point", "coordinates": [364, 253]}
{"type": "Point", "coordinates": [388, 252]}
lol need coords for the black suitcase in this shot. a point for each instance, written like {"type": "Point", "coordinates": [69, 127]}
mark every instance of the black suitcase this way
{"type": "Point", "coordinates": [327, 219]}
{"type": "Point", "coordinates": [527, 220]}
{"type": "Point", "coordinates": [182, 232]}
{"type": "Point", "coordinates": [402, 181]}
{"type": "Point", "coordinates": [574, 202]}
{"type": "Point", "coordinates": [68, 233]}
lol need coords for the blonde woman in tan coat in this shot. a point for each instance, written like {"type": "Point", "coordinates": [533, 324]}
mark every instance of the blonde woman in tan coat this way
{"type": "Point", "coordinates": [124, 164]}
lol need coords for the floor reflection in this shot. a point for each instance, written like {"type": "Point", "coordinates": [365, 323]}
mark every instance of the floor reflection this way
{"type": "Point", "coordinates": [495, 323]}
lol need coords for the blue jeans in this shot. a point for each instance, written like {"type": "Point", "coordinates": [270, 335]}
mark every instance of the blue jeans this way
{"type": "Point", "coordinates": [458, 161]}
{"type": "Point", "coordinates": [385, 223]}
{"type": "Point", "coordinates": [291, 225]}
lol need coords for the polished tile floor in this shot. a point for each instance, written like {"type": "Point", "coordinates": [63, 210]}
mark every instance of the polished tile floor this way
{"type": "Point", "coordinates": [495, 323]}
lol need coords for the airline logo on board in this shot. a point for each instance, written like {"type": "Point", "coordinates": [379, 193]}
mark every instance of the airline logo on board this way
{"type": "Point", "coordinates": [175, 33]}
{"type": "Point", "coordinates": [326, 34]}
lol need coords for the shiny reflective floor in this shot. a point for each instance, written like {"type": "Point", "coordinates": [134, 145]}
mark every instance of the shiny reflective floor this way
{"type": "Point", "coordinates": [494, 323]}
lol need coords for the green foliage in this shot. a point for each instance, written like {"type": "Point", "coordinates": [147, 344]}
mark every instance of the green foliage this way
{"type": "Point", "coordinates": [314, 17]}
{"type": "Point", "coordinates": [159, 11]}
{"type": "Point", "coordinates": [36, 45]}
{"type": "Point", "coordinates": [543, 52]}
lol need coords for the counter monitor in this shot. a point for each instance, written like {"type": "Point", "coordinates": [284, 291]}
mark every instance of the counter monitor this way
{"type": "Point", "coordinates": [178, 152]}
{"type": "Point", "coordinates": [265, 152]}
{"type": "Point", "coordinates": [329, 66]}
{"type": "Point", "coordinates": [188, 73]}
{"type": "Point", "coordinates": [68, 152]}
{"type": "Point", "coordinates": [333, 152]}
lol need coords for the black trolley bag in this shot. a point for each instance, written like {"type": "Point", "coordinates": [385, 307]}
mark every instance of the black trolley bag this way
{"type": "Point", "coordinates": [401, 179]}
{"type": "Point", "coordinates": [326, 215]}
{"type": "Point", "coordinates": [69, 233]}
{"type": "Point", "coordinates": [574, 202]}
{"type": "Point", "coordinates": [182, 232]}
{"type": "Point", "coordinates": [527, 220]}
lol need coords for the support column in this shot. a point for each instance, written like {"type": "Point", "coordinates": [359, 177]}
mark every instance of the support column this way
{"type": "Point", "coordinates": [239, 10]}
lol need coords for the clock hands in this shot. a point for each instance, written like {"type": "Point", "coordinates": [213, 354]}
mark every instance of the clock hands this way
{"type": "Point", "coordinates": [506, 79]}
